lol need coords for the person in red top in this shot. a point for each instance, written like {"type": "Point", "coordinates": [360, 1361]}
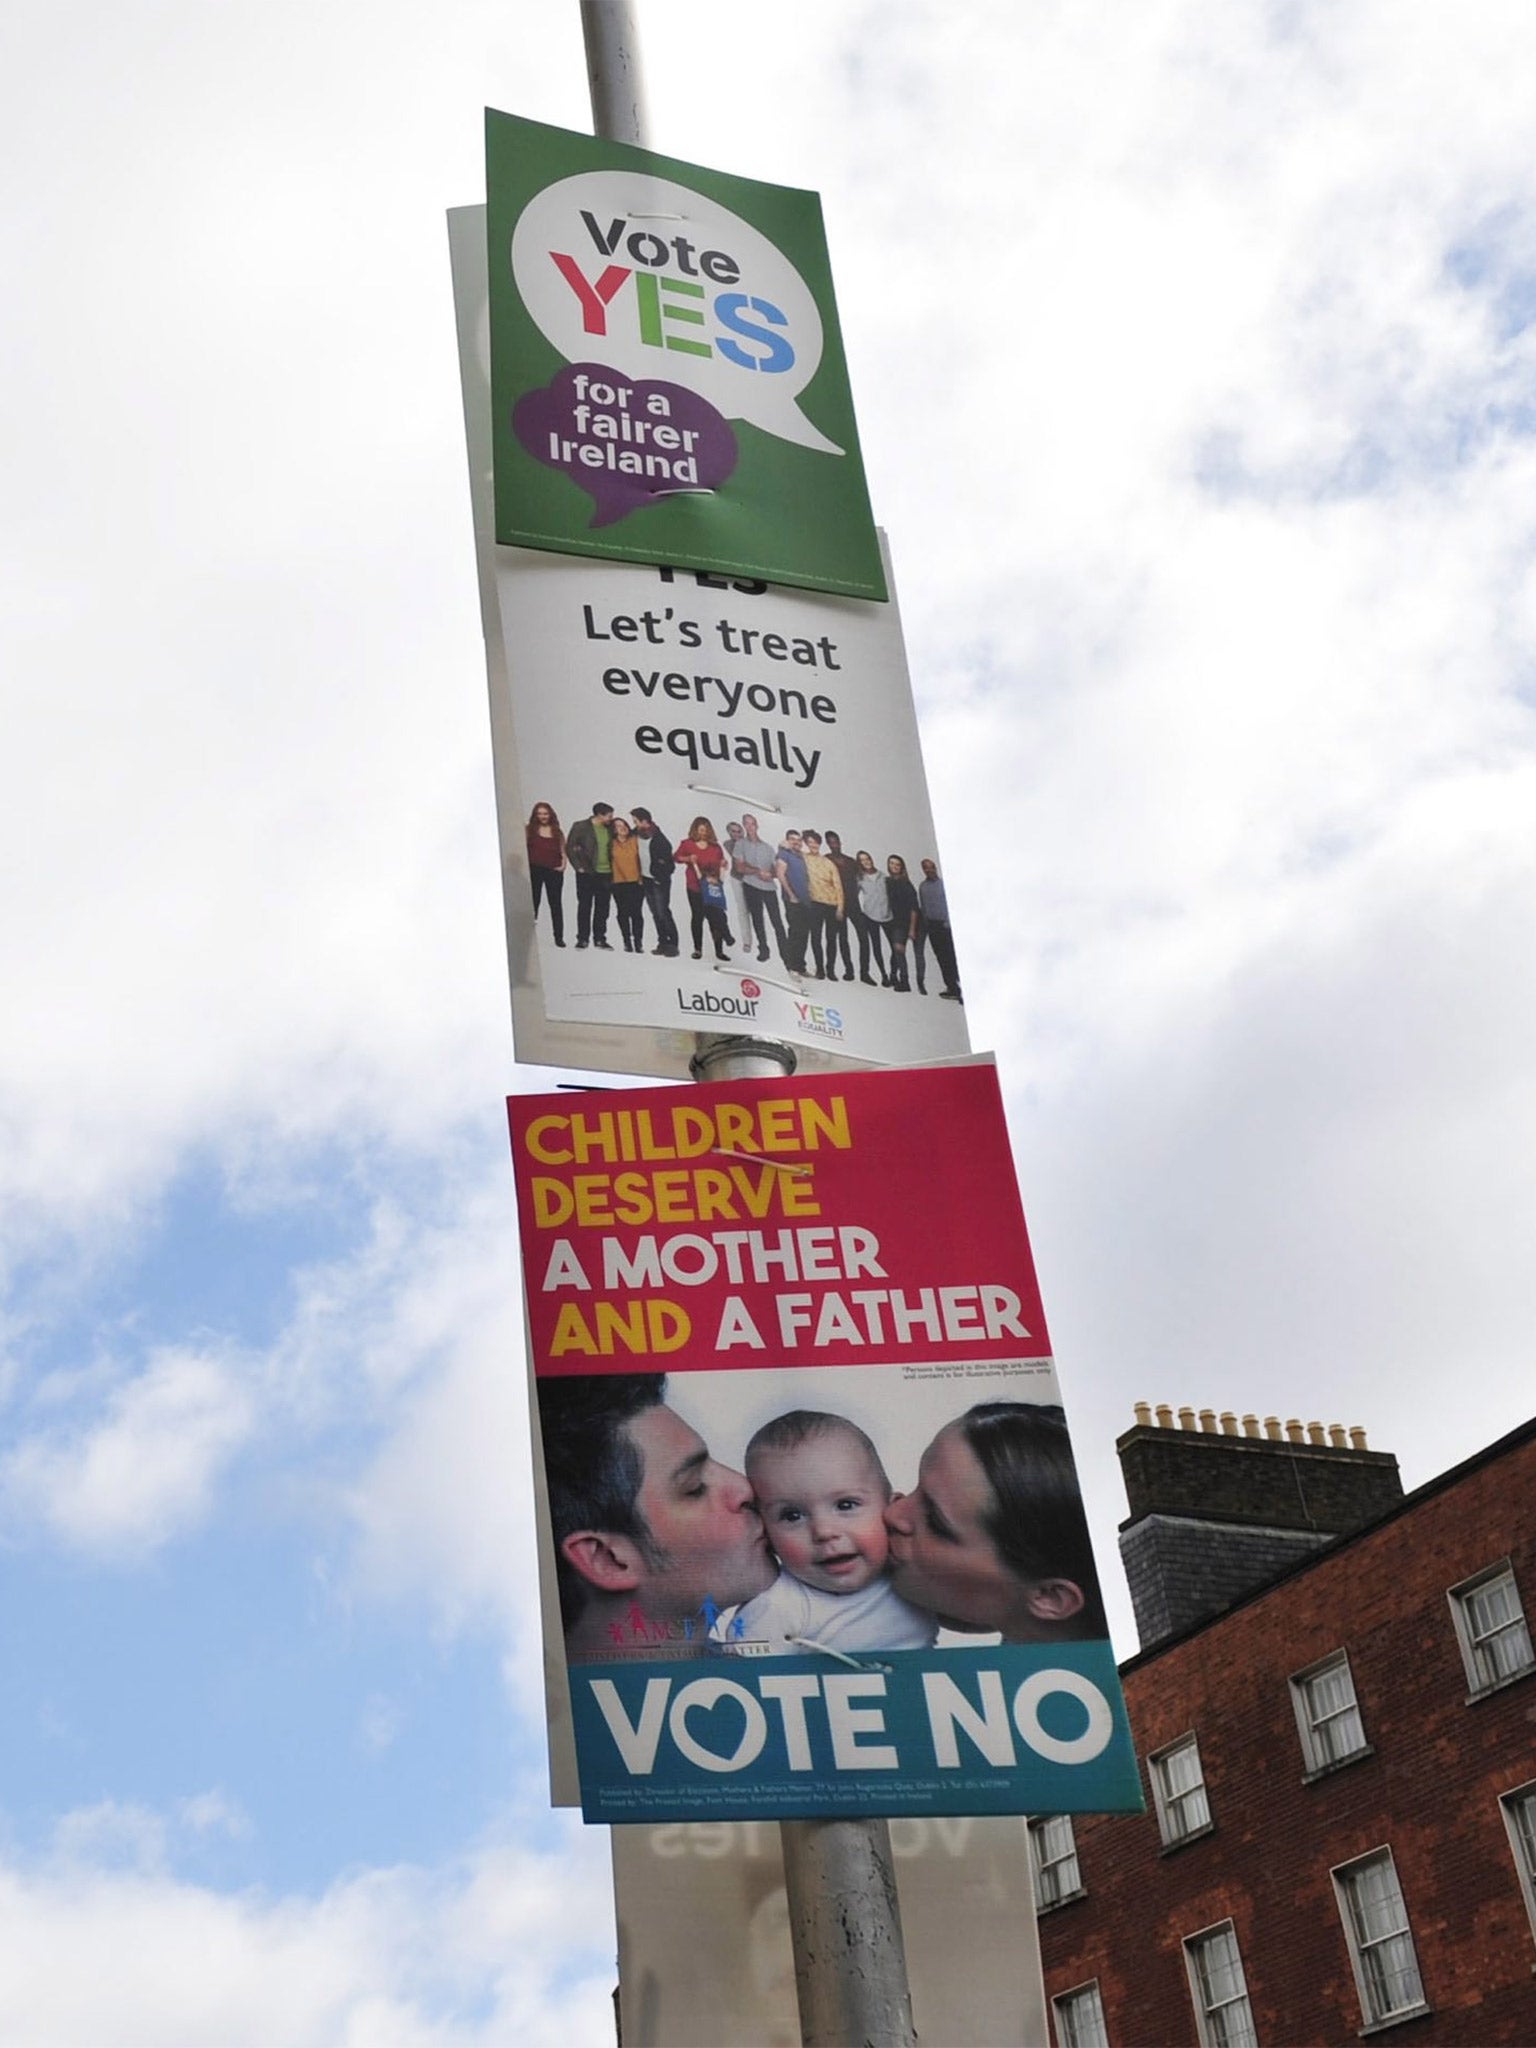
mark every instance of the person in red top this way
{"type": "Point", "coordinates": [546, 867]}
{"type": "Point", "coordinates": [701, 854]}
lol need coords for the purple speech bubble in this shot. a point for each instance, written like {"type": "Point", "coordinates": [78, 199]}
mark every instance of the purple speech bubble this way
{"type": "Point", "coordinates": [626, 443]}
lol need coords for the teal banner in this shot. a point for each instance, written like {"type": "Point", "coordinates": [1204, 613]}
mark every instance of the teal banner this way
{"type": "Point", "coordinates": [667, 371]}
{"type": "Point", "coordinates": [1010, 1728]}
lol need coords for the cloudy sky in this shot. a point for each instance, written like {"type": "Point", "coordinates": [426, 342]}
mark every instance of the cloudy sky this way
{"type": "Point", "coordinates": [1193, 350]}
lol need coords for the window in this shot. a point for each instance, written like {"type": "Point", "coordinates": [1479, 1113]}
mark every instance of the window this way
{"type": "Point", "coordinates": [1495, 1642]}
{"type": "Point", "coordinates": [1219, 1989]}
{"type": "Point", "coordinates": [1053, 1861]}
{"type": "Point", "coordinates": [1327, 1714]}
{"type": "Point", "coordinates": [1178, 1790]}
{"type": "Point", "coordinates": [1519, 1810]}
{"type": "Point", "coordinates": [1080, 2018]}
{"type": "Point", "coordinates": [1380, 1946]}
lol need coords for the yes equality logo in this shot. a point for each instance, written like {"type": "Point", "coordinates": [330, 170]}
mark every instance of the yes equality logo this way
{"type": "Point", "coordinates": [674, 317]}
{"type": "Point", "coordinates": [820, 1018]}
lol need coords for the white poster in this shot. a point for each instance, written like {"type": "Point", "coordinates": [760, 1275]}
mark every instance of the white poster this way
{"type": "Point", "coordinates": [725, 821]}
{"type": "Point", "coordinates": [712, 804]}
{"type": "Point", "coordinates": [704, 1942]}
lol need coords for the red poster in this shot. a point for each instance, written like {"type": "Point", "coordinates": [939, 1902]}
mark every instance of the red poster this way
{"type": "Point", "coordinates": [858, 1220]}
{"type": "Point", "coordinates": [816, 1526]}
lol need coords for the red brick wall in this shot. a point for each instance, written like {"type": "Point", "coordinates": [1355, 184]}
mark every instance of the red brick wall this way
{"type": "Point", "coordinates": [1430, 1792]}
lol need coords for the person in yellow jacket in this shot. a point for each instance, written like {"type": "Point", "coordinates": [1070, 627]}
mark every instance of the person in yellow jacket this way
{"type": "Point", "coordinates": [827, 906]}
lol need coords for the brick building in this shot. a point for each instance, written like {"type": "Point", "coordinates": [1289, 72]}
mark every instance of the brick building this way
{"type": "Point", "coordinates": [1335, 1709]}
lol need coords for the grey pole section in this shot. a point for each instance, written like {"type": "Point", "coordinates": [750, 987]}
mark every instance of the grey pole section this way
{"type": "Point", "coordinates": [850, 1965]}
{"type": "Point", "coordinates": [613, 70]}
{"type": "Point", "coordinates": [844, 1919]}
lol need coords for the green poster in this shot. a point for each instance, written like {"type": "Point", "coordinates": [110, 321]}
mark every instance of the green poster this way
{"type": "Point", "coordinates": [667, 372]}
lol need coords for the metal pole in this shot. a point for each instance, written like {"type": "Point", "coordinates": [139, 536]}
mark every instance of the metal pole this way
{"type": "Point", "coordinates": [844, 1918]}
{"type": "Point", "coordinates": [850, 1965]}
{"type": "Point", "coordinates": [613, 70]}
{"type": "Point", "coordinates": [721, 1056]}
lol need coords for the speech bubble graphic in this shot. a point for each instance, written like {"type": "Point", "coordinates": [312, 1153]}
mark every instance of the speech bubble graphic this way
{"type": "Point", "coordinates": [626, 444]}
{"type": "Point", "coordinates": [646, 272]}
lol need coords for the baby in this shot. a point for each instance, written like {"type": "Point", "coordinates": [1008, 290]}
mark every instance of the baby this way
{"type": "Point", "coordinates": [821, 1490]}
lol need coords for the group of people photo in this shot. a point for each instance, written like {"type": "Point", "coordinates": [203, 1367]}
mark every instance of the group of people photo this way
{"type": "Point", "coordinates": [801, 896]}
{"type": "Point", "coordinates": [662, 1550]}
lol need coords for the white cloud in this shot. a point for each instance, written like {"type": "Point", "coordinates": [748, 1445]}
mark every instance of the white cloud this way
{"type": "Point", "coordinates": [440, 1513]}
{"type": "Point", "coordinates": [389, 1415]}
{"type": "Point", "coordinates": [109, 1835]}
{"type": "Point", "coordinates": [492, 1948]}
{"type": "Point", "coordinates": [214, 1813]}
{"type": "Point", "coordinates": [441, 1508]}
{"type": "Point", "coordinates": [141, 1471]}
{"type": "Point", "coordinates": [382, 1720]}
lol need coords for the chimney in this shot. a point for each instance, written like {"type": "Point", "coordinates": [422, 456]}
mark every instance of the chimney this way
{"type": "Point", "coordinates": [1216, 1515]}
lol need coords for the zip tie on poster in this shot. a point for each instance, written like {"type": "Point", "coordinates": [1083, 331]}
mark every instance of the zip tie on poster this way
{"type": "Point", "coordinates": [744, 969]}
{"type": "Point", "coordinates": [753, 803]}
{"type": "Point", "coordinates": [842, 1656]}
{"type": "Point", "coordinates": [757, 1159]}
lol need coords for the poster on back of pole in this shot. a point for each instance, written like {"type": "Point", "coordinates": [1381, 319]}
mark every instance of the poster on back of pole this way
{"type": "Point", "coordinates": [817, 1528]}
{"type": "Point", "coordinates": [667, 366]}
{"type": "Point", "coordinates": [706, 1954]}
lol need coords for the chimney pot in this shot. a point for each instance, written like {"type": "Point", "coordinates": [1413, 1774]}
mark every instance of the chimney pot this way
{"type": "Point", "coordinates": [1186, 1418]}
{"type": "Point", "coordinates": [1272, 1428]}
{"type": "Point", "coordinates": [1228, 1422]}
{"type": "Point", "coordinates": [1164, 1415]}
{"type": "Point", "coordinates": [1316, 1433]}
{"type": "Point", "coordinates": [1294, 1432]}
{"type": "Point", "coordinates": [1337, 1437]}
{"type": "Point", "coordinates": [1208, 1421]}
{"type": "Point", "coordinates": [1250, 1425]}
{"type": "Point", "coordinates": [1357, 1437]}
{"type": "Point", "coordinates": [1143, 1415]}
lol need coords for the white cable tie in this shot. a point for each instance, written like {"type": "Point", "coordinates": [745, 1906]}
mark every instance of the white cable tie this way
{"type": "Point", "coordinates": [842, 1656]}
{"type": "Point", "coordinates": [753, 803]}
{"type": "Point", "coordinates": [757, 1159]}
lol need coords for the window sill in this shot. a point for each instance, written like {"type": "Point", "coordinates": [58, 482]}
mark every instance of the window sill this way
{"type": "Point", "coordinates": [1066, 1899]}
{"type": "Point", "coordinates": [1183, 1841]}
{"type": "Point", "coordinates": [1340, 1763]}
{"type": "Point", "coordinates": [1483, 1692]}
{"type": "Point", "coordinates": [1396, 2019]}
